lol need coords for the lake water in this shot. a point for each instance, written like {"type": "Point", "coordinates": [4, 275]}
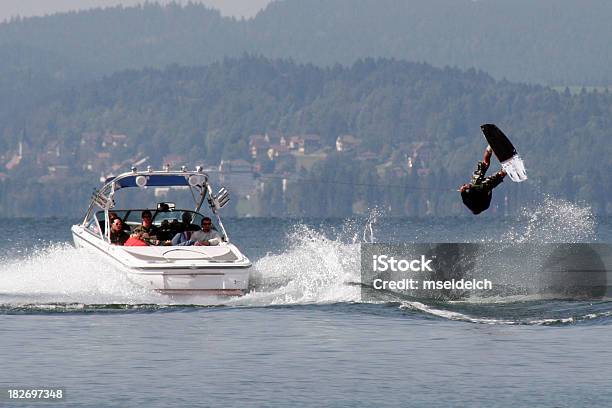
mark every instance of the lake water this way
{"type": "Point", "coordinates": [303, 336]}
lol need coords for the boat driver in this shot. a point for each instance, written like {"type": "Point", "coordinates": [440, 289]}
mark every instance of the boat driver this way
{"type": "Point", "coordinates": [147, 223]}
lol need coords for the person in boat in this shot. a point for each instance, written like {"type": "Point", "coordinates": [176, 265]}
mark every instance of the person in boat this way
{"type": "Point", "coordinates": [477, 195]}
{"type": "Point", "coordinates": [181, 239]}
{"type": "Point", "coordinates": [147, 223]}
{"type": "Point", "coordinates": [112, 216]}
{"type": "Point", "coordinates": [182, 231]}
{"type": "Point", "coordinates": [118, 236]}
{"type": "Point", "coordinates": [186, 225]}
{"type": "Point", "coordinates": [138, 238]}
{"type": "Point", "coordinates": [207, 235]}
{"type": "Point", "coordinates": [165, 231]}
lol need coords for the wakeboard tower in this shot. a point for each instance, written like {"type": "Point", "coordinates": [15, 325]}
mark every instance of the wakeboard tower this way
{"type": "Point", "coordinates": [505, 152]}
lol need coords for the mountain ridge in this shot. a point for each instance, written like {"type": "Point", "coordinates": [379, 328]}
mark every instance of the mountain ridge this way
{"type": "Point", "coordinates": [550, 42]}
{"type": "Point", "coordinates": [412, 123]}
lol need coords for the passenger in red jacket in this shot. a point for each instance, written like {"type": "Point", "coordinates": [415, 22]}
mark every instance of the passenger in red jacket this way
{"type": "Point", "coordinates": [138, 238]}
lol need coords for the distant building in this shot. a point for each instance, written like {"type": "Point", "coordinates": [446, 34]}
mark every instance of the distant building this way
{"type": "Point", "coordinates": [100, 161]}
{"type": "Point", "coordinates": [274, 137]}
{"type": "Point", "coordinates": [284, 142]}
{"type": "Point", "coordinates": [420, 154]}
{"type": "Point", "coordinates": [90, 138]}
{"type": "Point", "coordinates": [305, 144]}
{"type": "Point", "coordinates": [114, 140]}
{"type": "Point", "coordinates": [274, 143]}
{"type": "Point", "coordinates": [51, 154]}
{"type": "Point", "coordinates": [258, 145]}
{"type": "Point", "coordinates": [346, 143]}
{"type": "Point", "coordinates": [277, 150]}
{"type": "Point", "coordinates": [294, 142]}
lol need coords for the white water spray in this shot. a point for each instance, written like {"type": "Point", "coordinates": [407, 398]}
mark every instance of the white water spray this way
{"type": "Point", "coordinates": [314, 269]}
{"type": "Point", "coordinates": [61, 273]}
{"type": "Point", "coordinates": [553, 221]}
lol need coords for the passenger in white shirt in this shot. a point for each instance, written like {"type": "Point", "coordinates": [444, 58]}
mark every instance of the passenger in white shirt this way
{"type": "Point", "coordinates": [207, 236]}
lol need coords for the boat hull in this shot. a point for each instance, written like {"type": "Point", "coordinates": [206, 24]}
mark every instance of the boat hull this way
{"type": "Point", "coordinates": [221, 270]}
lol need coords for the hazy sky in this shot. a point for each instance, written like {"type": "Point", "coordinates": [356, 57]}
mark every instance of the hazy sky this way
{"type": "Point", "coordinates": [10, 8]}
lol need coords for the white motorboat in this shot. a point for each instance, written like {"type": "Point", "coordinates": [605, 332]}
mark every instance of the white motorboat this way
{"type": "Point", "coordinates": [215, 269]}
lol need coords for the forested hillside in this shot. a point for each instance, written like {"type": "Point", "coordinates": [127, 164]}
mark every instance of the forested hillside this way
{"type": "Point", "coordinates": [411, 124]}
{"type": "Point", "coordinates": [558, 42]}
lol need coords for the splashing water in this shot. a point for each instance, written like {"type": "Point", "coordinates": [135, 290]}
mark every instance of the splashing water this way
{"type": "Point", "coordinates": [314, 269]}
{"type": "Point", "coordinates": [314, 266]}
{"type": "Point", "coordinates": [61, 273]}
{"type": "Point", "coordinates": [553, 221]}
{"type": "Point", "coordinates": [368, 230]}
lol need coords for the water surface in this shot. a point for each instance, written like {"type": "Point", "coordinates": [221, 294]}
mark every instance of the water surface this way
{"type": "Point", "coordinates": [303, 336]}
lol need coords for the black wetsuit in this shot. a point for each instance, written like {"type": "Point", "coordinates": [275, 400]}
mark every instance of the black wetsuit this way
{"type": "Point", "coordinates": [478, 197]}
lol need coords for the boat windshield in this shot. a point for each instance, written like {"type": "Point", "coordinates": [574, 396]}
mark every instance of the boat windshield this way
{"type": "Point", "coordinates": [134, 217]}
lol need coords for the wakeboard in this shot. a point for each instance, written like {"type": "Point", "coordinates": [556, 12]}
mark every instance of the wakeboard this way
{"type": "Point", "coordinates": [505, 152]}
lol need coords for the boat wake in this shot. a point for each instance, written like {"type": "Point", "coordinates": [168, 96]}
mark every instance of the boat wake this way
{"type": "Point", "coordinates": [313, 269]}
{"type": "Point", "coordinates": [61, 274]}
{"type": "Point", "coordinates": [521, 313]}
